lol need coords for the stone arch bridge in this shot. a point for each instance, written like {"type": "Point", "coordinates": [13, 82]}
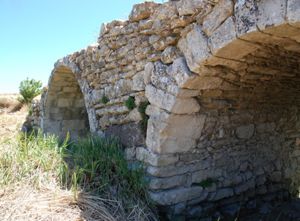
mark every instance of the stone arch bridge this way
{"type": "Point", "coordinates": [219, 81]}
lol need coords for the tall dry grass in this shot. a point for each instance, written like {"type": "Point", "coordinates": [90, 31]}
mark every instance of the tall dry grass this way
{"type": "Point", "coordinates": [37, 183]}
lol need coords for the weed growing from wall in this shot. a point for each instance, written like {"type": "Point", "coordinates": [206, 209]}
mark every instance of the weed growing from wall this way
{"type": "Point", "coordinates": [130, 103]}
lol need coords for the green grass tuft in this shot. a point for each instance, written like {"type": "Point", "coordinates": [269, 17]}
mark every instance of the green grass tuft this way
{"type": "Point", "coordinates": [33, 159]}
{"type": "Point", "coordinates": [130, 103]}
{"type": "Point", "coordinates": [104, 99]}
{"type": "Point", "coordinates": [97, 164]}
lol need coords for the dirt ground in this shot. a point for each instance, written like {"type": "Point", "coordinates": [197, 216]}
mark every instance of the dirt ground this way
{"type": "Point", "coordinates": [12, 115]}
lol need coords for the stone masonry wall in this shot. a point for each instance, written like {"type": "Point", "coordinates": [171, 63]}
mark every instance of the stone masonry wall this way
{"type": "Point", "coordinates": [204, 92]}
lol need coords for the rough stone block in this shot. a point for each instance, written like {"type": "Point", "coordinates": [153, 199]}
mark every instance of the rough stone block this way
{"type": "Point", "coordinates": [182, 75]}
{"type": "Point", "coordinates": [245, 13]}
{"type": "Point", "coordinates": [271, 13]}
{"type": "Point", "coordinates": [142, 11]}
{"type": "Point", "coordinates": [64, 102]}
{"type": "Point", "coordinates": [224, 43]}
{"type": "Point", "coordinates": [167, 183]}
{"type": "Point", "coordinates": [245, 132]}
{"type": "Point", "coordinates": [189, 7]}
{"type": "Point", "coordinates": [168, 171]}
{"type": "Point", "coordinates": [169, 55]}
{"type": "Point", "coordinates": [293, 12]}
{"type": "Point", "coordinates": [220, 13]}
{"type": "Point", "coordinates": [175, 196]}
{"type": "Point", "coordinates": [170, 102]}
{"type": "Point", "coordinates": [138, 81]}
{"type": "Point", "coordinates": [222, 193]}
{"type": "Point", "coordinates": [195, 48]}
{"type": "Point", "coordinates": [153, 159]}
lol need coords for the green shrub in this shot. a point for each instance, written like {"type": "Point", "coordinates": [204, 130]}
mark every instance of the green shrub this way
{"type": "Point", "coordinates": [104, 99]}
{"type": "Point", "coordinates": [130, 103]}
{"type": "Point", "coordinates": [29, 89]}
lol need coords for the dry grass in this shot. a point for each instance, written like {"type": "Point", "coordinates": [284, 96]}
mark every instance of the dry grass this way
{"type": "Point", "coordinates": [12, 116]}
{"type": "Point", "coordinates": [9, 103]}
{"type": "Point", "coordinates": [26, 203]}
{"type": "Point", "coordinates": [35, 194]}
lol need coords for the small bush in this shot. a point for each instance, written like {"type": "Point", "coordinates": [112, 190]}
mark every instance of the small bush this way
{"type": "Point", "coordinates": [104, 99]}
{"type": "Point", "coordinates": [130, 103]}
{"type": "Point", "coordinates": [29, 89]}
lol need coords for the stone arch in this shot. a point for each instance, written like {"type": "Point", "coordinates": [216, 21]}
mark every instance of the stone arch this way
{"type": "Point", "coordinates": [230, 111]}
{"type": "Point", "coordinates": [66, 106]}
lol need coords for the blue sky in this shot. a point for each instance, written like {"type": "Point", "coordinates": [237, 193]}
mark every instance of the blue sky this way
{"type": "Point", "coordinates": [36, 33]}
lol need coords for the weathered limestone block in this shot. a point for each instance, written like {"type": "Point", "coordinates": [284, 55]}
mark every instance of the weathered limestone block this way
{"type": "Point", "coordinates": [175, 196]}
{"type": "Point", "coordinates": [167, 183]}
{"type": "Point", "coordinates": [164, 135]}
{"type": "Point", "coordinates": [134, 116]}
{"type": "Point", "coordinates": [129, 134]}
{"type": "Point", "coordinates": [160, 78]}
{"type": "Point", "coordinates": [170, 102]}
{"type": "Point", "coordinates": [224, 43]}
{"type": "Point", "coordinates": [195, 48]}
{"type": "Point", "coordinates": [162, 144]}
{"type": "Point", "coordinates": [270, 13]}
{"type": "Point", "coordinates": [245, 132]}
{"type": "Point", "coordinates": [153, 159]}
{"type": "Point", "coordinates": [293, 12]}
{"type": "Point", "coordinates": [222, 193]}
{"type": "Point", "coordinates": [119, 109]}
{"type": "Point", "coordinates": [169, 55]}
{"type": "Point", "coordinates": [64, 102]}
{"type": "Point", "coordinates": [142, 11]}
{"type": "Point", "coordinates": [183, 76]}
{"type": "Point", "coordinates": [168, 171]}
{"type": "Point", "coordinates": [247, 185]}
{"type": "Point", "coordinates": [121, 87]}
{"type": "Point", "coordinates": [138, 81]}
{"type": "Point", "coordinates": [130, 153]}
{"type": "Point", "coordinates": [165, 11]}
{"type": "Point", "coordinates": [225, 34]}
{"type": "Point", "coordinates": [182, 125]}
{"type": "Point", "coordinates": [189, 7]}
{"type": "Point", "coordinates": [220, 13]}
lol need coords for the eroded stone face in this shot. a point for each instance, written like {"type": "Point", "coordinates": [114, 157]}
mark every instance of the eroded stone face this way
{"type": "Point", "coordinates": [222, 82]}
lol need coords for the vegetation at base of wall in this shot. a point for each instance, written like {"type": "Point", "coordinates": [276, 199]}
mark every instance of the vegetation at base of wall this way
{"type": "Point", "coordinates": [142, 109]}
{"type": "Point", "coordinates": [97, 165]}
{"type": "Point", "coordinates": [104, 99]}
{"type": "Point", "coordinates": [94, 169]}
{"type": "Point", "coordinates": [130, 103]}
{"type": "Point", "coordinates": [29, 89]}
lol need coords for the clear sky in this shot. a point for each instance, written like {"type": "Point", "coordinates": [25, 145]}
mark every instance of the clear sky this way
{"type": "Point", "coordinates": [34, 34]}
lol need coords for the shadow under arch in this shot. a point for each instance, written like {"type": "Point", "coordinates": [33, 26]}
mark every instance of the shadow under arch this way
{"type": "Point", "coordinates": [64, 107]}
